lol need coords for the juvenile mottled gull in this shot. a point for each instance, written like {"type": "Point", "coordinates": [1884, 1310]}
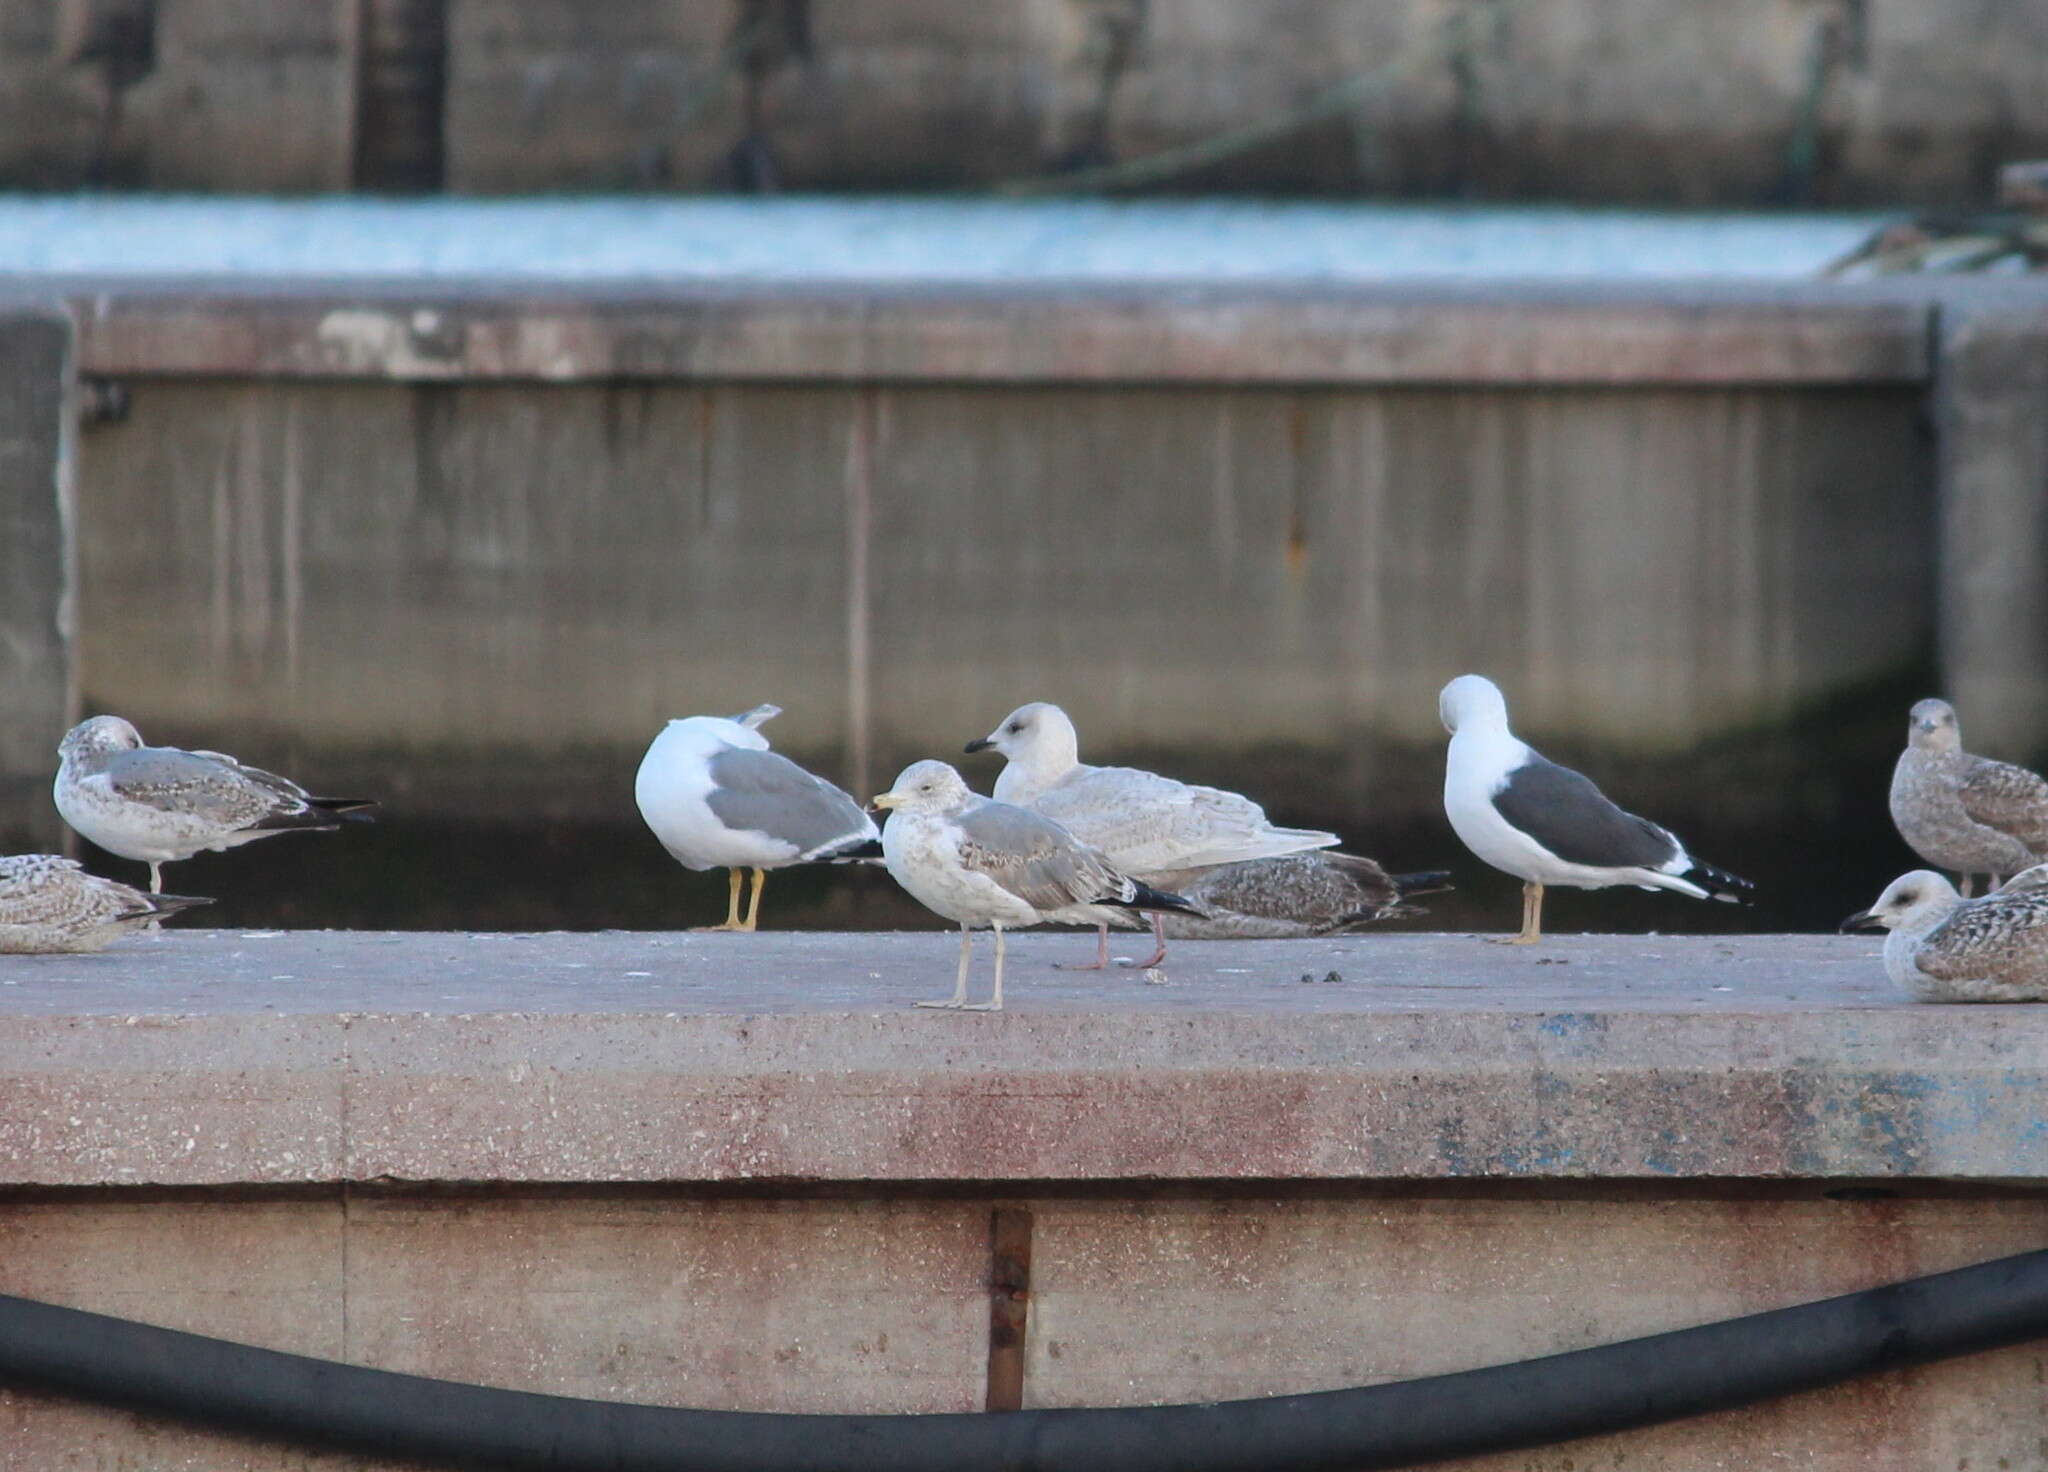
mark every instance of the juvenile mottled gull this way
{"type": "Point", "coordinates": [1546, 824]}
{"type": "Point", "coordinates": [718, 798]}
{"type": "Point", "coordinates": [1965, 812]}
{"type": "Point", "coordinates": [1321, 893]}
{"type": "Point", "coordinates": [1161, 831]}
{"type": "Point", "coordinates": [48, 904]}
{"type": "Point", "coordinates": [160, 804]}
{"type": "Point", "coordinates": [1944, 948]}
{"type": "Point", "coordinates": [980, 862]}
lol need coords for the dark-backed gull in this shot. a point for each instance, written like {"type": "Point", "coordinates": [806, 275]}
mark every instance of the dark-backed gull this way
{"type": "Point", "coordinates": [1154, 828]}
{"type": "Point", "coordinates": [1546, 824]}
{"type": "Point", "coordinates": [718, 798]}
{"type": "Point", "coordinates": [984, 863]}
{"type": "Point", "coordinates": [1963, 812]}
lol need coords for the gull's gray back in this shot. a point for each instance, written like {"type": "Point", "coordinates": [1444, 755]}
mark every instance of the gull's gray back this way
{"type": "Point", "coordinates": [764, 792]}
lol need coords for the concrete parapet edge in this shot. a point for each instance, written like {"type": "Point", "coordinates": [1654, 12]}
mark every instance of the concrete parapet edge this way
{"type": "Point", "coordinates": [1506, 333]}
{"type": "Point", "coordinates": [1592, 1070]}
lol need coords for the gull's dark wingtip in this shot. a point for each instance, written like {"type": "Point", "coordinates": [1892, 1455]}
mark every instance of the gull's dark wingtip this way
{"type": "Point", "coordinates": [1145, 897]}
{"type": "Point", "coordinates": [1720, 884]}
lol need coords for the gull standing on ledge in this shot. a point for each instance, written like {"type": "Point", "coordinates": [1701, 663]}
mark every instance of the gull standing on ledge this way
{"type": "Point", "coordinates": [1944, 948]}
{"type": "Point", "coordinates": [980, 862]}
{"type": "Point", "coordinates": [1161, 831]}
{"type": "Point", "coordinates": [48, 904]}
{"type": "Point", "coordinates": [718, 798]}
{"type": "Point", "coordinates": [1546, 824]}
{"type": "Point", "coordinates": [161, 804]}
{"type": "Point", "coordinates": [1963, 812]}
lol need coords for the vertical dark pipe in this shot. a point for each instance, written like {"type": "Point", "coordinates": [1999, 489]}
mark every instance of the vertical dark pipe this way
{"type": "Point", "coordinates": [401, 96]}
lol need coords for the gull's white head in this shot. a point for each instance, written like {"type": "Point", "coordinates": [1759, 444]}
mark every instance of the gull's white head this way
{"type": "Point", "coordinates": [1914, 903]}
{"type": "Point", "coordinates": [1471, 701]}
{"type": "Point", "coordinates": [1933, 727]}
{"type": "Point", "coordinates": [925, 787]}
{"type": "Point", "coordinates": [97, 739]}
{"type": "Point", "coordinates": [1039, 735]}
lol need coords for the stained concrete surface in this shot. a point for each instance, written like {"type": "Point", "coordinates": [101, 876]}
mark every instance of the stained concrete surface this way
{"type": "Point", "coordinates": [303, 1058]}
{"type": "Point", "coordinates": [741, 1171]}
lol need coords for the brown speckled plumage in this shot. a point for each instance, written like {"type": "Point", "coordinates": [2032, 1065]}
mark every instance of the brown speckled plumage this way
{"type": "Point", "coordinates": [1943, 948]}
{"type": "Point", "coordinates": [1319, 893]}
{"type": "Point", "coordinates": [50, 904]}
{"type": "Point", "coordinates": [1962, 812]}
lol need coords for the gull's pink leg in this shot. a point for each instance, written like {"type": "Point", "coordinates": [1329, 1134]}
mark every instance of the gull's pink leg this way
{"type": "Point", "coordinates": [1158, 945]}
{"type": "Point", "coordinates": [1101, 960]}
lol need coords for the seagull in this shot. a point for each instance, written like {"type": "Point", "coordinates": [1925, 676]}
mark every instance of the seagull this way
{"type": "Point", "coordinates": [1299, 895]}
{"type": "Point", "coordinates": [1151, 827]}
{"type": "Point", "coordinates": [1944, 948]}
{"type": "Point", "coordinates": [49, 904]}
{"type": "Point", "coordinates": [981, 862]}
{"type": "Point", "coordinates": [718, 798]}
{"type": "Point", "coordinates": [161, 804]}
{"type": "Point", "coordinates": [1963, 812]}
{"type": "Point", "coordinates": [1546, 824]}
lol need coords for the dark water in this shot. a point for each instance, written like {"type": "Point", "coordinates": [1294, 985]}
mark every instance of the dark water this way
{"type": "Point", "coordinates": [1799, 809]}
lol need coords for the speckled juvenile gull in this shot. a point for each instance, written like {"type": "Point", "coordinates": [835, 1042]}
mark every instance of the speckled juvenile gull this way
{"type": "Point", "coordinates": [1944, 948]}
{"type": "Point", "coordinates": [985, 863]}
{"type": "Point", "coordinates": [1546, 824]}
{"type": "Point", "coordinates": [160, 804]}
{"type": "Point", "coordinates": [50, 904]}
{"type": "Point", "coordinates": [1963, 812]}
{"type": "Point", "coordinates": [718, 798]}
{"type": "Point", "coordinates": [1321, 893]}
{"type": "Point", "coordinates": [1162, 831]}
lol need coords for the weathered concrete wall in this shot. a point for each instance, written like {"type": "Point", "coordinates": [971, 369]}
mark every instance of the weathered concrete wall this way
{"type": "Point", "coordinates": [881, 1305]}
{"type": "Point", "coordinates": [416, 568]}
{"type": "Point", "coordinates": [231, 95]}
{"type": "Point", "coordinates": [1867, 101]}
{"type": "Point", "coordinates": [38, 565]}
{"type": "Point", "coordinates": [744, 1172]}
{"type": "Point", "coordinates": [1991, 407]}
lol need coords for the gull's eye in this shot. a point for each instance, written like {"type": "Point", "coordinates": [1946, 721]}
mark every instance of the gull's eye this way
{"type": "Point", "coordinates": [1016, 727]}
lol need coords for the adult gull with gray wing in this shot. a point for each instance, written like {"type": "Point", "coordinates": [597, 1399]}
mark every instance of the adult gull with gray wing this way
{"type": "Point", "coordinates": [718, 798]}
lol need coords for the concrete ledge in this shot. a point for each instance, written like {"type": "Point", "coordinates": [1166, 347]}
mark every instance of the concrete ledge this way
{"type": "Point", "coordinates": [311, 1058]}
{"type": "Point", "coordinates": [1507, 333]}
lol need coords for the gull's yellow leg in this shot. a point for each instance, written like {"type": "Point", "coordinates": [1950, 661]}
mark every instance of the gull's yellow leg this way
{"type": "Point", "coordinates": [1532, 918]}
{"type": "Point", "coordinates": [735, 877]}
{"type": "Point", "coordinates": [754, 904]}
